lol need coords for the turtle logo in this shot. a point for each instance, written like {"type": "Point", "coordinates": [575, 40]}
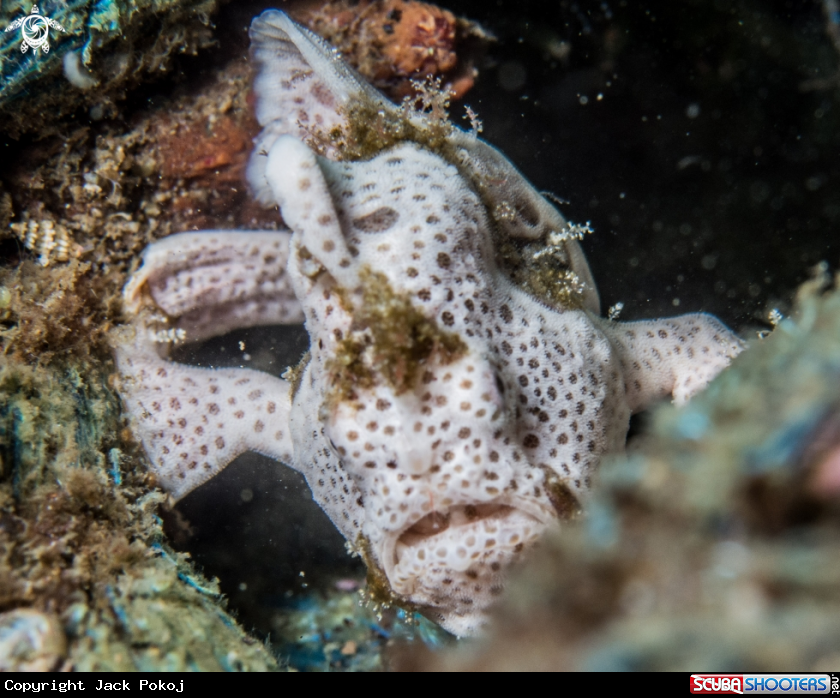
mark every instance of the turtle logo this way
{"type": "Point", "coordinates": [35, 29]}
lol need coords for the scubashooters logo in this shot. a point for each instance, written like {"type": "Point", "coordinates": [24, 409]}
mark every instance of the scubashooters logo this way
{"type": "Point", "coordinates": [35, 30]}
{"type": "Point", "coordinates": [780, 684]}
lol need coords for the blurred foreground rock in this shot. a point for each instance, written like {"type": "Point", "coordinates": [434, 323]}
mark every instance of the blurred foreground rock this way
{"type": "Point", "coordinates": [713, 546]}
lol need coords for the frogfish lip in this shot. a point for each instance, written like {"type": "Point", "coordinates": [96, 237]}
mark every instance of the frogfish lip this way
{"type": "Point", "coordinates": [458, 538]}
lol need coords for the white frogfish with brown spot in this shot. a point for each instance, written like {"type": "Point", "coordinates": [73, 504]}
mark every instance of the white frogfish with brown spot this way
{"type": "Point", "coordinates": [446, 415]}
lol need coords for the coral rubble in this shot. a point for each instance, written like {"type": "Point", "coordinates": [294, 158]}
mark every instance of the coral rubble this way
{"type": "Point", "coordinates": [331, 631]}
{"type": "Point", "coordinates": [108, 191]}
{"type": "Point", "coordinates": [80, 539]}
{"type": "Point", "coordinates": [30, 641]}
{"type": "Point", "coordinates": [80, 542]}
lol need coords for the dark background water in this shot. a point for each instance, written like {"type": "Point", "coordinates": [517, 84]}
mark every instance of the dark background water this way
{"type": "Point", "coordinates": [684, 131]}
{"type": "Point", "coordinates": [709, 174]}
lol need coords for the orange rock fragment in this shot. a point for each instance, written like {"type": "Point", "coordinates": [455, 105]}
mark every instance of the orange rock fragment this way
{"type": "Point", "coordinates": [195, 149]}
{"type": "Point", "coordinates": [391, 42]}
{"type": "Point", "coordinates": [201, 148]}
{"type": "Point", "coordinates": [419, 39]}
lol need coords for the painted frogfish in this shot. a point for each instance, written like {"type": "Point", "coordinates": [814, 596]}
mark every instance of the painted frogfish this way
{"type": "Point", "coordinates": [460, 388]}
